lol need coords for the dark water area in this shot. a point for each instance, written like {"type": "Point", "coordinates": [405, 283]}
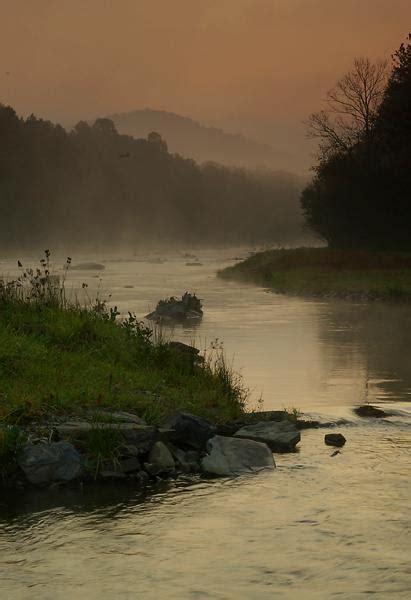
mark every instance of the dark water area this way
{"type": "Point", "coordinates": [320, 526]}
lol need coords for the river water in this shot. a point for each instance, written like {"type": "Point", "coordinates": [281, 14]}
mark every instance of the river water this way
{"type": "Point", "coordinates": [320, 526]}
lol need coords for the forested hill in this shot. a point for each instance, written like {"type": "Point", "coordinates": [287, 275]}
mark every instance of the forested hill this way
{"type": "Point", "coordinates": [191, 139]}
{"type": "Point", "coordinates": [93, 186]}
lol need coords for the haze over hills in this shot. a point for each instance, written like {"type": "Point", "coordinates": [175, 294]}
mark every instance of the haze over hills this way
{"type": "Point", "coordinates": [193, 140]}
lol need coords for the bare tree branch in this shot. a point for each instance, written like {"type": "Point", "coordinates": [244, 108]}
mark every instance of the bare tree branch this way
{"type": "Point", "coordinates": [351, 107]}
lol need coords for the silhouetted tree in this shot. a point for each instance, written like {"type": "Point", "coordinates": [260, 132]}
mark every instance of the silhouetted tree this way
{"type": "Point", "coordinates": [360, 194]}
{"type": "Point", "coordinates": [351, 108]}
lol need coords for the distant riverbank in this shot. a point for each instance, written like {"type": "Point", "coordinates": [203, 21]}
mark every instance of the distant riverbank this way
{"type": "Point", "coordinates": [321, 272]}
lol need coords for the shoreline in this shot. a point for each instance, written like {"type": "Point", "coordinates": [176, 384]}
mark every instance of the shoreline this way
{"type": "Point", "coordinates": [328, 274]}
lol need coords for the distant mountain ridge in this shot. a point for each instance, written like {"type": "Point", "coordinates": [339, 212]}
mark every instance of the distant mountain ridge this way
{"type": "Point", "coordinates": [193, 140]}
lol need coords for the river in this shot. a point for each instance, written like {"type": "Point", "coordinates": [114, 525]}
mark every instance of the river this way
{"type": "Point", "coordinates": [318, 526]}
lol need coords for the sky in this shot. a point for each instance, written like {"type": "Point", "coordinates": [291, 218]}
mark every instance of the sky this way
{"type": "Point", "coordinates": [243, 64]}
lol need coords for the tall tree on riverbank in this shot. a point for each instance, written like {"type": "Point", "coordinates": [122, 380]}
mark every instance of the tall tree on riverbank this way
{"type": "Point", "coordinates": [360, 194]}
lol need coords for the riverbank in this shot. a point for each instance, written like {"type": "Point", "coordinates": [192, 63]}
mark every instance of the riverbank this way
{"type": "Point", "coordinates": [321, 272]}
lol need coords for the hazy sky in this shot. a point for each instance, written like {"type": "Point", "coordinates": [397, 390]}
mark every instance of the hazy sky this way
{"type": "Point", "coordinates": [217, 60]}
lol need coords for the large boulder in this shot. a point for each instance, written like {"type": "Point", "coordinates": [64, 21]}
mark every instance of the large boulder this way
{"type": "Point", "coordinates": [47, 463]}
{"type": "Point", "coordinates": [188, 430]}
{"type": "Point", "coordinates": [228, 456]}
{"type": "Point", "coordinates": [281, 436]}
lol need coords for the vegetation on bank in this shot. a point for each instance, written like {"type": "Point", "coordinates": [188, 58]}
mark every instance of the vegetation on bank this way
{"type": "Point", "coordinates": [322, 272]}
{"type": "Point", "coordinates": [58, 357]}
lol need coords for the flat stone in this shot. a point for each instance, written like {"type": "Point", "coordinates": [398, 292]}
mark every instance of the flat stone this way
{"type": "Point", "coordinates": [281, 436]}
{"type": "Point", "coordinates": [334, 439]}
{"type": "Point", "coordinates": [229, 456]}
{"type": "Point", "coordinates": [126, 417]}
{"type": "Point", "coordinates": [47, 463]}
{"type": "Point", "coordinates": [141, 437]}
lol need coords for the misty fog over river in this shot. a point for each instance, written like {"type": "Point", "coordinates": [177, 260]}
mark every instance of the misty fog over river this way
{"type": "Point", "coordinates": [318, 525]}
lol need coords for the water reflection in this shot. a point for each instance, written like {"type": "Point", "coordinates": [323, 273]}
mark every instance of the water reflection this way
{"type": "Point", "coordinates": [367, 347]}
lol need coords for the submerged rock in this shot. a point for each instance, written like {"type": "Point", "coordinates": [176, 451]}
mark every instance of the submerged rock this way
{"type": "Point", "coordinates": [47, 463]}
{"type": "Point", "coordinates": [335, 439]}
{"type": "Point", "coordinates": [230, 456]}
{"type": "Point", "coordinates": [188, 429]}
{"type": "Point", "coordinates": [280, 436]}
{"type": "Point", "coordinates": [370, 411]}
{"type": "Point", "coordinates": [189, 308]}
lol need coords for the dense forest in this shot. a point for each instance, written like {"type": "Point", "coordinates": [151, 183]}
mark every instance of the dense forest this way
{"type": "Point", "coordinates": [93, 186]}
{"type": "Point", "coordinates": [360, 196]}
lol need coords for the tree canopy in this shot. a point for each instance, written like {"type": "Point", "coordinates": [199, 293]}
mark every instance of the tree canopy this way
{"type": "Point", "coordinates": [360, 194]}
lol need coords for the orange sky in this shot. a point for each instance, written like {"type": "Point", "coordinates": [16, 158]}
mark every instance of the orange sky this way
{"type": "Point", "coordinates": [216, 60]}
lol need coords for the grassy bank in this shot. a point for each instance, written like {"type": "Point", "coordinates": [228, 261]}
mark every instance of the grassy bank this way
{"type": "Point", "coordinates": [320, 272]}
{"type": "Point", "coordinates": [57, 358]}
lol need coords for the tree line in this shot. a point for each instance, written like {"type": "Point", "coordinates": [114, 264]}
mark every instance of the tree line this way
{"type": "Point", "coordinates": [360, 194]}
{"type": "Point", "coordinates": [92, 186]}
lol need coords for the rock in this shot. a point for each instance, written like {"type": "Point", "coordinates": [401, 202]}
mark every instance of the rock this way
{"type": "Point", "coordinates": [334, 439]}
{"type": "Point", "coordinates": [335, 453]}
{"type": "Point", "coordinates": [171, 309]}
{"type": "Point", "coordinates": [281, 436]}
{"type": "Point", "coordinates": [125, 417]}
{"type": "Point", "coordinates": [46, 463]}
{"type": "Point", "coordinates": [370, 411]}
{"type": "Point", "coordinates": [161, 458]}
{"type": "Point", "coordinates": [188, 462]}
{"type": "Point", "coordinates": [129, 465]}
{"type": "Point", "coordinates": [230, 456]}
{"type": "Point", "coordinates": [189, 430]}
{"type": "Point", "coordinates": [187, 352]}
{"type": "Point", "coordinates": [141, 437]}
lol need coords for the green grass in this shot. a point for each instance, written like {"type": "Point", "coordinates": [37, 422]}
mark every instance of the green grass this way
{"type": "Point", "coordinates": [322, 272]}
{"type": "Point", "coordinates": [63, 360]}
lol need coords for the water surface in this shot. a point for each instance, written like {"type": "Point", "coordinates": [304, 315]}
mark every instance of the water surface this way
{"type": "Point", "coordinates": [320, 526]}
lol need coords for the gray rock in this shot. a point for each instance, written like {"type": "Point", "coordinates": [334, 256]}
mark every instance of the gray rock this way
{"type": "Point", "coordinates": [230, 456]}
{"type": "Point", "coordinates": [129, 465]}
{"type": "Point", "coordinates": [281, 436]}
{"type": "Point", "coordinates": [126, 417]}
{"type": "Point", "coordinates": [188, 462]}
{"type": "Point", "coordinates": [161, 458]}
{"type": "Point", "coordinates": [171, 309]}
{"type": "Point", "coordinates": [188, 429]}
{"type": "Point", "coordinates": [142, 437]}
{"type": "Point", "coordinates": [47, 463]}
{"type": "Point", "coordinates": [334, 439]}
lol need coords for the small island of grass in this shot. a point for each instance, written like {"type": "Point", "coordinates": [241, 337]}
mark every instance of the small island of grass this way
{"type": "Point", "coordinates": [323, 272]}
